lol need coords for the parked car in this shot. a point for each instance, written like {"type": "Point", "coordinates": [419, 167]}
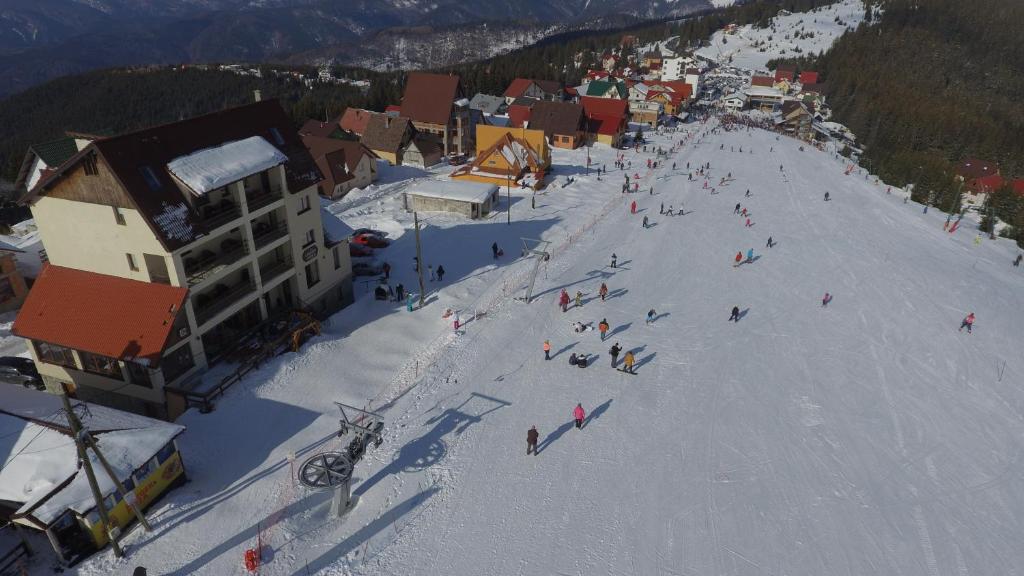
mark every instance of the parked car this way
{"type": "Point", "coordinates": [370, 240]}
{"type": "Point", "coordinates": [379, 233]}
{"type": "Point", "coordinates": [359, 250]}
{"type": "Point", "coordinates": [367, 269]}
{"type": "Point", "coordinates": [15, 370]}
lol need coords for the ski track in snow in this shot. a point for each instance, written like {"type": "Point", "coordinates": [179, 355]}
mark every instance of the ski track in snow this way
{"type": "Point", "coordinates": [868, 437]}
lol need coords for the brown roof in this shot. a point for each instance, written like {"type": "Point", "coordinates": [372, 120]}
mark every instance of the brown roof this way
{"type": "Point", "coordinates": [386, 133]}
{"type": "Point", "coordinates": [354, 120]}
{"type": "Point", "coordinates": [101, 314]}
{"type": "Point", "coordinates": [428, 97]}
{"type": "Point", "coordinates": [173, 219]}
{"type": "Point", "coordinates": [563, 118]}
{"type": "Point", "coordinates": [336, 159]}
{"type": "Point", "coordinates": [972, 168]}
{"type": "Point", "coordinates": [762, 81]}
{"type": "Point", "coordinates": [318, 128]}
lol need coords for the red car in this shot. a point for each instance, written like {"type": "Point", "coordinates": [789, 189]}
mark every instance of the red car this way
{"type": "Point", "coordinates": [370, 240]}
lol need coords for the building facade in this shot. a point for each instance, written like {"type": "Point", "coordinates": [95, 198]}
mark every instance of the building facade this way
{"type": "Point", "coordinates": [224, 206]}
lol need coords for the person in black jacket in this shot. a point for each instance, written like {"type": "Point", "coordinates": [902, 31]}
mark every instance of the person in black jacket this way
{"type": "Point", "coordinates": [735, 314]}
{"type": "Point", "coordinates": [531, 440]}
{"type": "Point", "coordinates": [614, 351]}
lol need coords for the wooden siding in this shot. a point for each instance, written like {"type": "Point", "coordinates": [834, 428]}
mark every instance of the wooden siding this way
{"type": "Point", "coordinates": [100, 188]}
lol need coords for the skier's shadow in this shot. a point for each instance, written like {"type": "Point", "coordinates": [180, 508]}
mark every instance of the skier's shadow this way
{"type": "Point", "coordinates": [597, 412]}
{"type": "Point", "coordinates": [565, 348]}
{"type": "Point", "coordinates": [743, 314]}
{"type": "Point", "coordinates": [660, 316]}
{"type": "Point", "coordinates": [615, 293]}
{"type": "Point", "coordinates": [754, 259]}
{"type": "Point", "coordinates": [619, 328]}
{"type": "Point", "coordinates": [554, 436]}
{"type": "Point", "coordinates": [644, 360]}
{"type": "Point", "coordinates": [652, 224]}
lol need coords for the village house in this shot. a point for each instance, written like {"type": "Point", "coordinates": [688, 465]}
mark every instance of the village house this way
{"type": "Point", "coordinates": [423, 152]}
{"type": "Point", "coordinates": [652, 59]}
{"type": "Point", "coordinates": [762, 81]}
{"type": "Point", "coordinates": [48, 491]}
{"type": "Point", "coordinates": [344, 164]}
{"type": "Point", "coordinates": [437, 105]}
{"type": "Point", "coordinates": [388, 137]}
{"type": "Point", "coordinates": [508, 156]}
{"type": "Point", "coordinates": [606, 120]}
{"type": "Point", "coordinates": [519, 111]}
{"type": "Point", "coordinates": [536, 89]}
{"type": "Point", "coordinates": [354, 121]}
{"type": "Point", "coordinates": [693, 78]}
{"type": "Point", "coordinates": [763, 99]}
{"type": "Point", "coordinates": [470, 199]}
{"type": "Point", "coordinates": [198, 232]}
{"type": "Point", "coordinates": [561, 122]}
{"type": "Point", "coordinates": [488, 105]}
{"type": "Point", "coordinates": [642, 109]}
{"type": "Point", "coordinates": [795, 119]}
{"type": "Point", "coordinates": [733, 102]}
{"type": "Point", "coordinates": [609, 61]}
{"type": "Point", "coordinates": [45, 157]}
{"type": "Point", "coordinates": [787, 73]}
{"type": "Point", "coordinates": [321, 129]}
{"type": "Point", "coordinates": [609, 88]}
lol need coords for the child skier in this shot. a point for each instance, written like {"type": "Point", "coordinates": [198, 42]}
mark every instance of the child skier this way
{"type": "Point", "coordinates": [563, 300]}
{"type": "Point", "coordinates": [632, 207]}
{"type": "Point", "coordinates": [645, 221]}
{"type": "Point", "coordinates": [579, 299]}
{"type": "Point", "coordinates": [531, 441]}
{"type": "Point", "coordinates": [603, 291]}
{"type": "Point", "coordinates": [579, 414]}
{"type": "Point", "coordinates": [826, 299]}
{"type": "Point", "coordinates": [650, 316]}
{"type": "Point", "coordinates": [603, 328]}
{"type": "Point", "coordinates": [739, 259]}
{"type": "Point", "coordinates": [627, 362]}
{"type": "Point", "coordinates": [547, 350]}
{"type": "Point", "coordinates": [614, 259]}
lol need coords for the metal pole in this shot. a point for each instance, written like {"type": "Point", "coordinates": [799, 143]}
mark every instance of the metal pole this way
{"type": "Point", "coordinates": [76, 430]}
{"type": "Point", "coordinates": [508, 197]}
{"type": "Point", "coordinates": [419, 255]}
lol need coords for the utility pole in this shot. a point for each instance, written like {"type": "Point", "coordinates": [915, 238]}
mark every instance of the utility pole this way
{"type": "Point", "coordinates": [83, 457]}
{"type": "Point", "coordinates": [419, 256]}
{"type": "Point", "coordinates": [508, 197]}
{"type": "Point", "coordinates": [120, 487]}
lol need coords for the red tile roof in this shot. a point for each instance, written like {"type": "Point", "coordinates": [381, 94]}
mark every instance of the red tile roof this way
{"type": "Point", "coordinates": [101, 314]}
{"type": "Point", "coordinates": [429, 97]}
{"type": "Point", "coordinates": [972, 168]}
{"type": "Point", "coordinates": [762, 81]}
{"type": "Point", "coordinates": [808, 77]}
{"type": "Point", "coordinates": [604, 124]}
{"type": "Point", "coordinates": [986, 183]}
{"type": "Point", "coordinates": [785, 72]}
{"type": "Point", "coordinates": [518, 114]}
{"type": "Point", "coordinates": [517, 87]}
{"type": "Point", "coordinates": [604, 106]}
{"type": "Point", "coordinates": [354, 120]}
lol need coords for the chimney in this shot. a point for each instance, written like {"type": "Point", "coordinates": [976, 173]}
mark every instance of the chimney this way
{"type": "Point", "coordinates": [257, 96]}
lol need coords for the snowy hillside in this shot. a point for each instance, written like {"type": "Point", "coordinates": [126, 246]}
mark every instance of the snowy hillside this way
{"type": "Point", "coordinates": [791, 35]}
{"type": "Point", "coordinates": [865, 437]}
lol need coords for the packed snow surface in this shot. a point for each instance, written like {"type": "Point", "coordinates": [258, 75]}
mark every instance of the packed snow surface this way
{"type": "Point", "coordinates": [788, 36]}
{"type": "Point", "coordinates": [213, 168]}
{"type": "Point", "coordinates": [865, 437]}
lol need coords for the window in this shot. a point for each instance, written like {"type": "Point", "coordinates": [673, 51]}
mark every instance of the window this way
{"type": "Point", "coordinates": [89, 166]}
{"type": "Point", "coordinates": [129, 484]}
{"type": "Point", "coordinates": [103, 365]}
{"type": "Point", "coordinates": [119, 217]}
{"type": "Point", "coordinates": [148, 468]}
{"type": "Point", "coordinates": [139, 374]}
{"type": "Point", "coordinates": [337, 258]}
{"type": "Point", "coordinates": [303, 203]}
{"type": "Point", "coordinates": [166, 452]}
{"type": "Point", "coordinates": [53, 354]}
{"type": "Point", "coordinates": [276, 134]}
{"type": "Point", "coordinates": [177, 363]}
{"type": "Point", "coordinates": [150, 177]}
{"type": "Point", "coordinates": [310, 238]}
{"type": "Point", "coordinates": [312, 274]}
{"type": "Point", "coordinates": [131, 262]}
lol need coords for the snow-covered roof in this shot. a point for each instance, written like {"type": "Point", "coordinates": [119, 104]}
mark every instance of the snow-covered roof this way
{"type": "Point", "coordinates": [213, 168]}
{"type": "Point", "coordinates": [762, 91]}
{"type": "Point", "coordinates": [334, 229]}
{"type": "Point", "coordinates": [475, 192]}
{"type": "Point", "coordinates": [39, 469]}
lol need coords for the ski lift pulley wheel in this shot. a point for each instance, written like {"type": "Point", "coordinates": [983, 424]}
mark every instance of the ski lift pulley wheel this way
{"type": "Point", "coordinates": [325, 470]}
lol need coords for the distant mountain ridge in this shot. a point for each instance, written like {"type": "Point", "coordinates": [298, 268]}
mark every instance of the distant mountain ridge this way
{"type": "Point", "coordinates": [43, 39]}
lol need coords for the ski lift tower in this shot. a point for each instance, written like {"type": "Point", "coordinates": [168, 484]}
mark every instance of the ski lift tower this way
{"type": "Point", "coordinates": [333, 470]}
{"type": "Point", "coordinates": [536, 249]}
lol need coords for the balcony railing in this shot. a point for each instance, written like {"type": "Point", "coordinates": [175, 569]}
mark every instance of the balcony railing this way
{"type": "Point", "coordinates": [215, 215]}
{"type": "Point", "coordinates": [257, 199]}
{"type": "Point", "coordinates": [207, 263]}
{"type": "Point", "coordinates": [216, 300]}
{"type": "Point", "coordinates": [273, 269]}
{"type": "Point", "coordinates": [264, 233]}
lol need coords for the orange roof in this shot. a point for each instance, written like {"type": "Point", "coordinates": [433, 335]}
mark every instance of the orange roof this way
{"type": "Point", "coordinates": [604, 106]}
{"type": "Point", "coordinates": [101, 314]}
{"type": "Point", "coordinates": [518, 87]}
{"type": "Point", "coordinates": [354, 120]}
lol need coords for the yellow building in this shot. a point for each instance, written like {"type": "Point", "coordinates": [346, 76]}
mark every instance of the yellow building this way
{"type": "Point", "coordinates": [49, 491]}
{"type": "Point", "coordinates": [508, 156]}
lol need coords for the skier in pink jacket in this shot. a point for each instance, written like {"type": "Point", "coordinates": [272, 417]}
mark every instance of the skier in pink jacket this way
{"type": "Point", "coordinates": [579, 415]}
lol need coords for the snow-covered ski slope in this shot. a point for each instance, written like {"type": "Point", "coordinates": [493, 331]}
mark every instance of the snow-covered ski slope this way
{"type": "Point", "coordinates": [868, 437]}
{"type": "Point", "coordinates": [784, 36]}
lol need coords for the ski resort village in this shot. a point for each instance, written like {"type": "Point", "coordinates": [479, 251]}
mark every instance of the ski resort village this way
{"type": "Point", "coordinates": [660, 322]}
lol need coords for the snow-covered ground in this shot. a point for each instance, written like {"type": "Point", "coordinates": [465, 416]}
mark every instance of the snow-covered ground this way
{"type": "Point", "coordinates": [787, 36]}
{"type": "Point", "coordinates": [866, 437]}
